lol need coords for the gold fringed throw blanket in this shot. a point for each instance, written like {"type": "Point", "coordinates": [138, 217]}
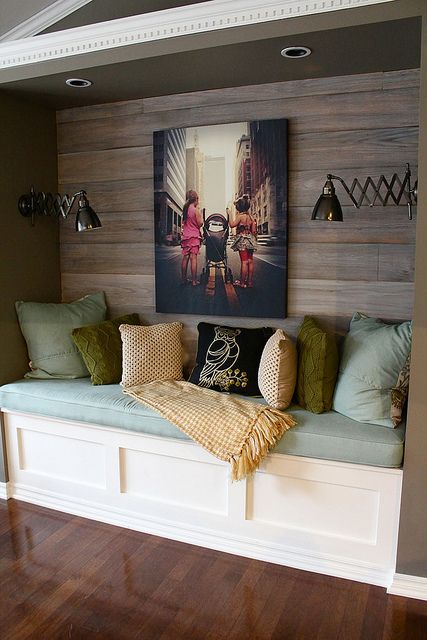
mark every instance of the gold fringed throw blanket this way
{"type": "Point", "coordinates": [230, 427]}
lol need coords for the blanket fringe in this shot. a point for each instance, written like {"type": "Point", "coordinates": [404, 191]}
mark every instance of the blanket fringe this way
{"type": "Point", "coordinates": [267, 429]}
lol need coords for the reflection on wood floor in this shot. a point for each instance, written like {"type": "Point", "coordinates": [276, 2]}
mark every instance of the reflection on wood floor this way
{"type": "Point", "coordinates": [62, 576]}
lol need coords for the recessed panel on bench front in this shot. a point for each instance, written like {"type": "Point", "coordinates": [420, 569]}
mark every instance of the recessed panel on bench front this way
{"type": "Point", "coordinates": [62, 458]}
{"type": "Point", "coordinates": [315, 506]}
{"type": "Point", "coordinates": [181, 482]}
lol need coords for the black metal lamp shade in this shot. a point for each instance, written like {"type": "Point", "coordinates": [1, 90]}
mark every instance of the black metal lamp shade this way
{"type": "Point", "coordinates": [328, 206]}
{"type": "Point", "coordinates": [86, 218]}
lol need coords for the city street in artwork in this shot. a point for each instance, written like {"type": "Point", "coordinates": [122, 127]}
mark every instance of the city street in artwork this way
{"type": "Point", "coordinates": [220, 206]}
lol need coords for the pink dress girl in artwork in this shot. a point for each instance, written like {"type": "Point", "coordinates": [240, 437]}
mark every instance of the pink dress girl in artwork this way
{"type": "Point", "coordinates": [191, 238]}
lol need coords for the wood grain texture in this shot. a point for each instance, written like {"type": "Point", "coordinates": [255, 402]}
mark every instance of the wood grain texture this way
{"type": "Point", "coordinates": [282, 90]}
{"type": "Point", "coordinates": [333, 261]}
{"type": "Point", "coordinates": [108, 258]}
{"type": "Point", "coordinates": [386, 226]}
{"type": "Point", "coordinates": [104, 166]}
{"type": "Point", "coordinates": [390, 300]}
{"type": "Point", "coordinates": [111, 109]}
{"type": "Point", "coordinates": [353, 112]}
{"type": "Point", "coordinates": [129, 131]}
{"type": "Point", "coordinates": [371, 148]}
{"type": "Point", "coordinates": [118, 227]}
{"type": "Point", "coordinates": [66, 577]}
{"type": "Point", "coordinates": [396, 263]}
{"type": "Point", "coordinates": [127, 291]}
{"type": "Point", "coordinates": [116, 196]}
{"type": "Point", "coordinates": [353, 126]}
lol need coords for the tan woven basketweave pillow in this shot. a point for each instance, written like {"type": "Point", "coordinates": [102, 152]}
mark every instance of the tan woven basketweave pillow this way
{"type": "Point", "coordinates": [151, 353]}
{"type": "Point", "coordinates": [277, 371]}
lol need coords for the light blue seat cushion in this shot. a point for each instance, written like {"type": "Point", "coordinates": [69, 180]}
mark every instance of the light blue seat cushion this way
{"type": "Point", "coordinates": [329, 435]}
{"type": "Point", "coordinates": [332, 436]}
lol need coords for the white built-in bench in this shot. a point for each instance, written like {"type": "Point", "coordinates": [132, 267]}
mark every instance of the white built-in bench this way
{"type": "Point", "coordinates": [326, 498]}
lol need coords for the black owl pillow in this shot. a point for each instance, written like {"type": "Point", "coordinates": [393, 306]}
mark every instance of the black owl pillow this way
{"type": "Point", "coordinates": [228, 358]}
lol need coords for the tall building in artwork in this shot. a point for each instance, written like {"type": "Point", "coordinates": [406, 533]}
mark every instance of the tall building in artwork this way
{"type": "Point", "coordinates": [214, 200]}
{"type": "Point", "coordinates": [243, 181]}
{"type": "Point", "coordinates": [269, 175]}
{"type": "Point", "coordinates": [195, 170]}
{"type": "Point", "coordinates": [169, 155]}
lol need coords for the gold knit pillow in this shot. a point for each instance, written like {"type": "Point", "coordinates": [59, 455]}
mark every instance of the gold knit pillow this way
{"type": "Point", "coordinates": [151, 353]}
{"type": "Point", "coordinates": [277, 373]}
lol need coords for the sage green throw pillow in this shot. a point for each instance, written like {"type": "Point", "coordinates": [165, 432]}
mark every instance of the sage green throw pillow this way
{"type": "Point", "coordinates": [101, 348]}
{"type": "Point", "coordinates": [317, 367]}
{"type": "Point", "coordinates": [373, 355]}
{"type": "Point", "coordinates": [47, 328]}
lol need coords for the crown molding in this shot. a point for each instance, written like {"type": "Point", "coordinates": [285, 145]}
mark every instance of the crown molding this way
{"type": "Point", "coordinates": [159, 25]}
{"type": "Point", "coordinates": [43, 19]}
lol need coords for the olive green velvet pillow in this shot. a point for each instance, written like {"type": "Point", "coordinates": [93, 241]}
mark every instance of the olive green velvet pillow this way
{"type": "Point", "coordinates": [101, 348]}
{"type": "Point", "coordinates": [317, 367]}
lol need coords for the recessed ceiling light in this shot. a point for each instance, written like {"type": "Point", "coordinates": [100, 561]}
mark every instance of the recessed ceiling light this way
{"type": "Point", "coordinates": [78, 82]}
{"type": "Point", "coordinates": [295, 52]}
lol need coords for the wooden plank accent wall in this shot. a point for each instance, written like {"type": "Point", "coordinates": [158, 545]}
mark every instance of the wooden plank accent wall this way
{"type": "Point", "coordinates": [351, 126]}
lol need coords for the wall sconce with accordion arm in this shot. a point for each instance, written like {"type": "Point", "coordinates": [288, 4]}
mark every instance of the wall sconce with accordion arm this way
{"type": "Point", "coordinates": [55, 204]}
{"type": "Point", "coordinates": [382, 192]}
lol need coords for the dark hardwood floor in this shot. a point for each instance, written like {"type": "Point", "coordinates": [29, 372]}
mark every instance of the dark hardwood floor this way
{"type": "Point", "coordinates": [66, 577]}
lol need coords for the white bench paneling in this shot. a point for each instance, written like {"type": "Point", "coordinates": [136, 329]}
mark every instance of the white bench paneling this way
{"type": "Point", "coordinates": [330, 517]}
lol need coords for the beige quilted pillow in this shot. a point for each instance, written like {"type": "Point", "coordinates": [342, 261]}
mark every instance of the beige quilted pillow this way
{"type": "Point", "coordinates": [151, 353]}
{"type": "Point", "coordinates": [277, 373]}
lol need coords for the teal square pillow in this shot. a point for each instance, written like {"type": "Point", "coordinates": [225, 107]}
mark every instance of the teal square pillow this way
{"type": "Point", "coordinates": [47, 329]}
{"type": "Point", "coordinates": [317, 367]}
{"type": "Point", "coordinates": [100, 346]}
{"type": "Point", "coordinates": [373, 355]}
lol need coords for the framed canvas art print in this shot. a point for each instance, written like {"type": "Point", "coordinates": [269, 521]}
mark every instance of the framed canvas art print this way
{"type": "Point", "coordinates": [220, 207]}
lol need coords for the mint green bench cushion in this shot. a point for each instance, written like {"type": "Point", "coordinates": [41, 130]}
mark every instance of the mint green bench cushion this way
{"type": "Point", "coordinates": [81, 401]}
{"type": "Point", "coordinates": [330, 436]}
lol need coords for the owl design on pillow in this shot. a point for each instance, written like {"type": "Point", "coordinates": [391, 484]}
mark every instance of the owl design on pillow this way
{"type": "Point", "coordinates": [221, 356]}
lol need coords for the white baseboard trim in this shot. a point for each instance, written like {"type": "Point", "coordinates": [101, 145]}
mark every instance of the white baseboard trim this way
{"type": "Point", "coordinates": [4, 491]}
{"type": "Point", "coordinates": [408, 586]}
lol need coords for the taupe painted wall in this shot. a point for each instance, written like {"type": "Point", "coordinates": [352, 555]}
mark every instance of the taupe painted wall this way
{"type": "Point", "coordinates": [29, 255]}
{"type": "Point", "coordinates": [412, 547]}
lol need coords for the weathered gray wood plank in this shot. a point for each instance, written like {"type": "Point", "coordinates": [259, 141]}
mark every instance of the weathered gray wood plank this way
{"type": "Point", "coordinates": [103, 166]}
{"type": "Point", "coordinates": [103, 133]}
{"type": "Point", "coordinates": [339, 112]}
{"type": "Point", "coordinates": [333, 261]}
{"type": "Point", "coordinates": [108, 110]}
{"type": "Point", "coordinates": [333, 113]}
{"type": "Point", "coordinates": [137, 259]}
{"type": "Point", "coordinates": [379, 225]}
{"type": "Point", "coordinates": [390, 300]}
{"type": "Point", "coordinates": [118, 228]}
{"type": "Point", "coordinates": [281, 90]}
{"type": "Point", "coordinates": [396, 263]}
{"type": "Point", "coordinates": [115, 196]}
{"type": "Point", "coordinates": [345, 149]}
{"type": "Point", "coordinates": [123, 291]}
